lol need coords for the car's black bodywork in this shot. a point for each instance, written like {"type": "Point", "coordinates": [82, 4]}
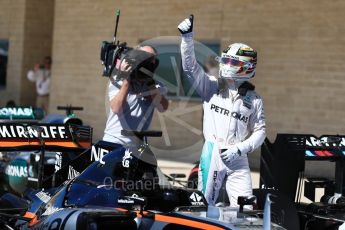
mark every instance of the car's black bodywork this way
{"type": "Point", "coordinates": [119, 186]}
{"type": "Point", "coordinates": [282, 168]}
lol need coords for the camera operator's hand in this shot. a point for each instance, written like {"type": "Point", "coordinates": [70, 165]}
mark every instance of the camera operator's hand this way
{"type": "Point", "coordinates": [158, 100]}
{"type": "Point", "coordinates": [186, 26]}
{"type": "Point", "coordinates": [125, 66]}
{"type": "Point", "coordinates": [125, 70]}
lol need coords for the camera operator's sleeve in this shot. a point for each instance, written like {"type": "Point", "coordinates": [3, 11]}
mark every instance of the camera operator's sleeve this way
{"type": "Point", "coordinates": [202, 82]}
{"type": "Point", "coordinates": [112, 91]}
{"type": "Point", "coordinates": [257, 125]}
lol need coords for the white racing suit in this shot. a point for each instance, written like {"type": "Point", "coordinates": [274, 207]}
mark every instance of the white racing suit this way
{"type": "Point", "coordinates": [228, 120]}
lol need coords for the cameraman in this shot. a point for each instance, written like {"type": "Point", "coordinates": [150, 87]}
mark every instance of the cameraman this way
{"type": "Point", "coordinates": [134, 97]}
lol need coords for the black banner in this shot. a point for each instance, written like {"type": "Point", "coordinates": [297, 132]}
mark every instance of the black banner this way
{"type": "Point", "coordinates": [19, 131]}
{"type": "Point", "coordinates": [64, 135]}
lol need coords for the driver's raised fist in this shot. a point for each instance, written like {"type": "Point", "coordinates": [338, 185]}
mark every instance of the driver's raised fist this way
{"type": "Point", "coordinates": [186, 26]}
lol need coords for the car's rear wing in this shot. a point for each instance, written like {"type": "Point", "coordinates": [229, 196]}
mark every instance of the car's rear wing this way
{"type": "Point", "coordinates": [326, 147]}
{"type": "Point", "coordinates": [54, 137]}
{"type": "Point", "coordinates": [283, 160]}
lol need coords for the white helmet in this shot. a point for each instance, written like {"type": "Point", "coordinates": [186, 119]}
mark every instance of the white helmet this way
{"type": "Point", "coordinates": [238, 62]}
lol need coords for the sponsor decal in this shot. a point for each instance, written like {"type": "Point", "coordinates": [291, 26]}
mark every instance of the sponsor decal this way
{"type": "Point", "coordinates": [33, 179]}
{"type": "Point", "coordinates": [125, 201]}
{"type": "Point", "coordinates": [16, 113]}
{"type": "Point", "coordinates": [316, 142]}
{"type": "Point", "coordinates": [240, 117]}
{"type": "Point", "coordinates": [72, 173]}
{"type": "Point", "coordinates": [226, 50]}
{"type": "Point", "coordinates": [263, 186]}
{"type": "Point", "coordinates": [43, 196]}
{"type": "Point", "coordinates": [130, 199]}
{"type": "Point", "coordinates": [313, 141]}
{"type": "Point", "coordinates": [226, 112]}
{"type": "Point", "coordinates": [234, 57]}
{"type": "Point", "coordinates": [16, 171]}
{"type": "Point", "coordinates": [135, 196]}
{"type": "Point", "coordinates": [246, 49]}
{"type": "Point", "coordinates": [196, 199]}
{"type": "Point", "coordinates": [247, 102]}
{"type": "Point", "coordinates": [220, 110]}
{"type": "Point", "coordinates": [31, 172]}
{"type": "Point", "coordinates": [20, 131]}
{"type": "Point", "coordinates": [58, 161]}
{"type": "Point", "coordinates": [97, 154]}
{"type": "Point", "coordinates": [126, 158]}
{"type": "Point", "coordinates": [50, 210]}
{"type": "Point", "coordinates": [215, 175]}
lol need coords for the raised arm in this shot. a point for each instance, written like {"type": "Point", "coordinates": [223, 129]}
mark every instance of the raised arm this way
{"type": "Point", "coordinates": [118, 99]}
{"type": "Point", "coordinates": [118, 96]}
{"type": "Point", "coordinates": [202, 82]}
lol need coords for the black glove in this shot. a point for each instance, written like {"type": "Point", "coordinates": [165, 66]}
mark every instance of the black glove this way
{"type": "Point", "coordinates": [186, 26]}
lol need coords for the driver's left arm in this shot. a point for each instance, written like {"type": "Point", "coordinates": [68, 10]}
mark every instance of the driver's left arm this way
{"type": "Point", "coordinates": [257, 125]}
